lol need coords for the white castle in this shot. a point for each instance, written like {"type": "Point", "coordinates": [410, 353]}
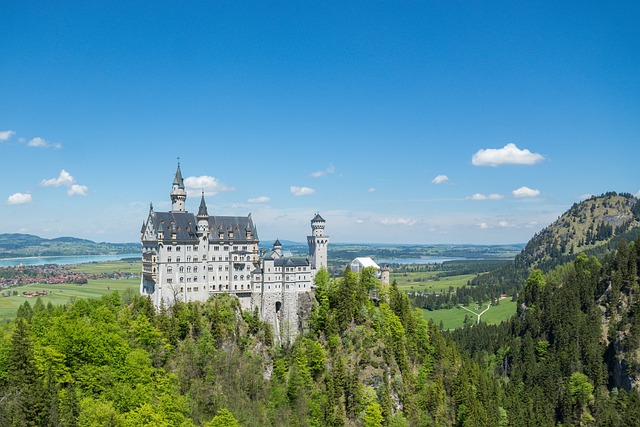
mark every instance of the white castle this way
{"type": "Point", "coordinates": [187, 257]}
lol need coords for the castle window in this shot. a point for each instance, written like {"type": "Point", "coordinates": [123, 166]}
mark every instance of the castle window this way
{"type": "Point", "coordinates": [169, 280]}
{"type": "Point", "coordinates": [188, 269]}
{"type": "Point", "coordinates": [188, 248]}
{"type": "Point", "coordinates": [220, 267]}
{"type": "Point", "coordinates": [195, 289]}
{"type": "Point", "coordinates": [235, 248]}
{"type": "Point", "coordinates": [181, 289]}
{"type": "Point", "coordinates": [216, 248]}
{"type": "Point", "coordinates": [244, 248]}
{"type": "Point", "coordinates": [169, 269]}
{"type": "Point", "coordinates": [226, 248]}
{"type": "Point", "coordinates": [210, 268]}
{"type": "Point", "coordinates": [188, 289]}
{"type": "Point", "coordinates": [169, 259]}
{"type": "Point", "coordinates": [169, 248]}
{"type": "Point", "coordinates": [181, 269]}
{"type": "Point", "coordinates": [235, 277]}
{"type": "Point", "coordinates": [241, 277]}
{"type": "Point", "coordinates": [181, 280]}
{"type": "Point", "coordinates": [189, 258]}
{"type": "Point", "coordinates": [195, 269]}
{"type": "Point", "coordinates": [219, 258]}
{"type": "Point", "coordinates": [188, 279]}
{"type": "Point", "coordinates": [177, 259]}
{"type": "Point", "coordinates": [235, 258]}
{"type": "Point", "coordinates": [195, 247]}
{"type": "Point", "coordinates": [178, 248]}
{"type": "Point", "coordinates": [195, 259]}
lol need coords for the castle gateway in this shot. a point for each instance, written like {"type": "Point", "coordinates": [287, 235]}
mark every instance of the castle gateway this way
{"type": "Point", "coordinates": [187, 257]}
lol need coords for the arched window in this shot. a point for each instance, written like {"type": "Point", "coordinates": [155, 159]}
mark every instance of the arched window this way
{"type": "Point", "coordinates": [181, 269]}
{"type": "Point", "coordinates": [169, 259]}
{"type": "Point", "coordinates": [189, 258]}
{"type": "Point", "coordinates": [211, 268]}
{"type": "Point", "coordinates": [188, 269]}
{"type": "Point", "coordinates": [195, 269]}
{"type": "Point", "coordinates": [169, 269]}
{"type": "Point", "coordinates": [178, 259]}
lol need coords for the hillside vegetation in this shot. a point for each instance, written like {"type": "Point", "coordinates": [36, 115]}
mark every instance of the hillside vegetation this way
{"type": "Point", "coordinates": [26, 245]}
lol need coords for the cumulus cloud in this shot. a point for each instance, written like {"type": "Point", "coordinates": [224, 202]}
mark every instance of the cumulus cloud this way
{"type": "Point", "coordinates": [67, 180]}
{"type": "Point", "coordinates": [525, 192]}
{"type": "Point", "coordinates": [210, 185]}
{"type": "Point", "coordinates": [510, 154]}
{"type": "Point", "coordinates": [77, 190]}
{"type": "Point", "coordinates": [504, 224]}
{"type": "Point", "coordinates": [398, 221]}
{"type": "Point", "coordinates": [479, 196]}
{"type": "Point", "coordinates": [360, 221]}
{"type": "Point", "coordinates": [261, 199]}
{"type": "Point", "coordinates": [301, 191]}
{"type": "Point", "coordinates": [19, 199]}
{"type": "Point", "coordinates": [483, 226]}
{"type": "Point", "coordinates": [328, 171]}
{"type": "Point", "coordinates": [6, 134]}
{"type": "Point", "coordinates": [440, 179]}
{"type": "Point", "coordinates": [42, 143]}
{"type": "Point", "coordinates": [64, 178]}
{"type": "Point", "coordinates": [371, 190]}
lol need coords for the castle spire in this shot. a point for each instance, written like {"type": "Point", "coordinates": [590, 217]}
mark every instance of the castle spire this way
{"type": "Point", "coordinates": [202, 212]}
{"type": "Point", "coordinates": [178, 178]}
{"type": "Point", "coordinates": [178, 193]}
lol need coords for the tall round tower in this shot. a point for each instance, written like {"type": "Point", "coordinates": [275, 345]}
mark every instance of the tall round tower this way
{"type": "Point", "coordinates": [318, 244]}
{"type": "Point", "coordinates": [178, 193]}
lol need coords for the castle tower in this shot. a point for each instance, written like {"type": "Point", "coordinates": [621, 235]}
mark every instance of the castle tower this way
{"type": "Point", "coordinates": [203, 218]}
{"type": "Point", "coordinates": [178, 193]}
{"type": "Point", "coordinates": [318, 244]}
{"type": "Point", "coordinates": [384, 274]}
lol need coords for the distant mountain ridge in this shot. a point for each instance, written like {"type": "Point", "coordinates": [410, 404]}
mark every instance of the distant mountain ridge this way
{"type": "Point", "coordinates": [592, 226]}
{"type": "Point", "coordinates": [15, 245]}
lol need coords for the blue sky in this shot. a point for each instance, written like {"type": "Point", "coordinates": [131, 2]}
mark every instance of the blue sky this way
{"type": "Point", "coordinates": [400, 122]}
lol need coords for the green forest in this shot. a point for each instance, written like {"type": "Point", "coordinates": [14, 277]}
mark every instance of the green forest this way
{"type": "Point", "coordinates": [364, 357]}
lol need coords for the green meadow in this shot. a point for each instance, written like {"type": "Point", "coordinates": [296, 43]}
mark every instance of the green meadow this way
{"type": "Point", "coordinates": [428, 281]}
{"type": "Point", "coordinates": [453, 318]}
{"type": "Point", "coordinates": [63, 293]}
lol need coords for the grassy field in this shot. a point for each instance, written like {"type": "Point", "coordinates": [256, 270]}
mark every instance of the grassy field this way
{"type": "Point", "coordinates": [109, 267]}
{"type": "Point", "coordinates": [453, 318]}
{"type": "Point", "coordinates": [427, 281]}
{"type": "Point", "coordinates": [62, 294]}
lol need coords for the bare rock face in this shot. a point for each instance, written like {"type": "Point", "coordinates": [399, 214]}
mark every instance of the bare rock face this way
{"type": "Point", "coordinates": [306, 301]}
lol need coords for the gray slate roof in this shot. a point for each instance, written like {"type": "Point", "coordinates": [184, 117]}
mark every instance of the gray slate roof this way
{"type": "Point", "coordinates": [291, 262]}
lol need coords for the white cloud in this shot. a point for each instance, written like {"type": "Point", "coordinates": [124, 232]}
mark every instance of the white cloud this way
{"type": "Point", "coordinates": [261, 199]}
{"type": "Point", "coordinates": [210, 185]}
{"type": "Point", "coordinates": [360, 221]}
{"type": "Point", "coordinates": [492, 196]}
{"type": "Point", "coordinates": [525, 192]}
{"type": "Point", "coordinates": [77, 190]}
{"type": "Point", "coordinates": [507, 155]}
{"type": "Point", "coordinates": [504, 224]}
{"type": "Point", "coordinates": [440, 179]}
{"type": "Point", "coordinates": [6, 134]}
{"type": "Point", "coordinates": [328, 171]}
{"type": "Point", "coordinates": [42, 143]}
{"type": "Point", "coordinates": [638, 194]}
{"type": "Point", "coordinates": [63, 179]}
{"type": "Point", "coordinates": [301, 191]}
{"type": "Point", "coordinates": [398, 221]}
{"type": "Point", "coordinates": [483, 226]}
{"type": "Point", "coordinates": [371, 190]}
{"type": "Point", "coordinates": [19, 199]}
{"type": "Point", "coordinates": [587, 196]}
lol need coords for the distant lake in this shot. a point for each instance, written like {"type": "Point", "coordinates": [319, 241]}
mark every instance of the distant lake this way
{"type": "Point", "coordinates": [425, 260]}
{"type": "Point", "coordinates": [64, 260]}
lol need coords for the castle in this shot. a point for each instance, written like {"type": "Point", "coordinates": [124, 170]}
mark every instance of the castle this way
{"type": "Point", "coordinates": [187, 257]}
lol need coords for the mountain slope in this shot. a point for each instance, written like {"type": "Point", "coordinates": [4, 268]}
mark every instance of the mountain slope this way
{"type": "Point", "coordinates": [13, 245]}
{"type": "Point", "coordinates": [590, 226]}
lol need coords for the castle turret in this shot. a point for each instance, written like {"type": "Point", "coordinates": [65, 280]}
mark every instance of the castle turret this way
{"type": "Point", "coordinates": [318, 244]}
{"type": "Point", "coordinates": [203, 218]}
{"type": "Point", "coordinates": [178, 192]}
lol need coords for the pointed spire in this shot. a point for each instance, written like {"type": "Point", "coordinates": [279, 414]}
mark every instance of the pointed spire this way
{"type": "Point", "coordinates": [178, 178]}
{"type": "Point", "coordinates": [202, 212]}
{"type": "Point", "coordinates": [277, 243]}
{"type": "Point", "coordinates": [144, 227]}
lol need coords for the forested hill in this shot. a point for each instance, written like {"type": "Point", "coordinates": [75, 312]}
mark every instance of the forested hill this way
{"type": "Point", "coordinates": [14, 245]}
{"type": "Point", "coordinates": [593, 226]}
